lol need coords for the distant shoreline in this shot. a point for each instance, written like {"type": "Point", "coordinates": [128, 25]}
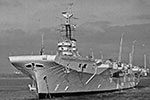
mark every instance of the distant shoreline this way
{"type": "Point", "coordinates": [14, 78]}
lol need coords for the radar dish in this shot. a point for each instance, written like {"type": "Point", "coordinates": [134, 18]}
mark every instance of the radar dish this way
{"type": "Point", "coordinates": [67, 15]}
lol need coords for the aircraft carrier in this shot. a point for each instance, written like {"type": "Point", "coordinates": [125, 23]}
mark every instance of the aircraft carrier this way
{"type": "Point", "coordinates": [69, 73]}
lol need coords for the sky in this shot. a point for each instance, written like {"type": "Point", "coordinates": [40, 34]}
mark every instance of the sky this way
{"type": "Point", "coordinates": [100, 25]}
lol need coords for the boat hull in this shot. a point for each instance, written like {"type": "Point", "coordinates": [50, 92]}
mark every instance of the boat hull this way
{"type": "Point", "coordinates": [53, 79]}
{"type": "Point", "coordinates": [56, 82]}
{"type": "Point", "coordinates": [53, 95]}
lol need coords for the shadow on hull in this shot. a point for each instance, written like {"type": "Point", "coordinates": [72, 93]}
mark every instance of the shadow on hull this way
{"type": "Point", "coordinates": [53, 95]}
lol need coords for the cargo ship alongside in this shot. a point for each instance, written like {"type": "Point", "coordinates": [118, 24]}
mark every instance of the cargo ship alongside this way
{"type": "Point", "coordinates": [68, 73]}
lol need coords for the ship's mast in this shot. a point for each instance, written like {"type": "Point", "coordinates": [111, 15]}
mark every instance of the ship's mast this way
{"type": "Point", "coordinates": [67, 46]}
{"type": "Point", "coordinates": [92, 54]}
{"type": "Point", "coordinates": [42, 46]}
{"type": "Point", "coordinates": [101, 55]}
{"type": "Point", "coordinates": [145, 66]}
{"type": "Point", "coordinates": [144, 57]}
{"type": "Point", "coordinates": [131, 54]}
{"type": "Point", "coordinates": [120, 50]}
{"type": "Point", "coordinates": [144, 61]}
{"type": "Point", "coordinates": [67, 16]}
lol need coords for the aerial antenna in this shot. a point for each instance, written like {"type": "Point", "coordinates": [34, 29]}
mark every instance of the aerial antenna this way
{"type": "Point", "coordinates": [42, 45]}
{"type": "Point", "coordinates": [70, 6]}
{"type": "Point", "coordinates": [92, 54]}
{"type": "Point", "coordinates": [132, 52]}
{"type": "Point", "coordinates": [145, 61]}
{"type": "Point", "coordinates": [145, 65]}
{"type": "Point", "coordinates": [102, 56]}
{"type": "Point", "coordinates": [144, 57]}
{"type": "Point", "coordinates": [120, 49]}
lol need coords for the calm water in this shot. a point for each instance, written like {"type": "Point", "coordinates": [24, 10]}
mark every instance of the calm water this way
{"type": "Point", "coordinates": [16, 89]}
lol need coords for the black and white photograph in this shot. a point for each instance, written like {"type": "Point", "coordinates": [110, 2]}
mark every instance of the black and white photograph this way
{"type": "Point", "coordinates": [74, 49]}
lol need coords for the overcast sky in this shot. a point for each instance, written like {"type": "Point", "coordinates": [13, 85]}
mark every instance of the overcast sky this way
{"type": "Point", "coordinates": [101, 22]}
{"type": "Point", "coordinates": [25, 14]}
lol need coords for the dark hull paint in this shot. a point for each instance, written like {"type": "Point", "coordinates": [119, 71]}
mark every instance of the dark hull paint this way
{"type": "Point", "coordinates": [53, 95]}
{"type": "Point", "coordinates": [52, 78]}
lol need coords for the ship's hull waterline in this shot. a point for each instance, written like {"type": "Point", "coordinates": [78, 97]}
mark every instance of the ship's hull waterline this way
{"type": "Point", "coordinates": [77, 83]}
{"type": "Point", "coordinates": [53, 80]}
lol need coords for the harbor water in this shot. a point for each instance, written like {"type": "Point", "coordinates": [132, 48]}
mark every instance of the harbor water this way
{"type": "Point", "coordinates": [17, 89]}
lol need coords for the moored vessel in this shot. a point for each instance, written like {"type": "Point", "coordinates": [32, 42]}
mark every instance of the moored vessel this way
{"type": "Point", "coordinates": [68, 73]}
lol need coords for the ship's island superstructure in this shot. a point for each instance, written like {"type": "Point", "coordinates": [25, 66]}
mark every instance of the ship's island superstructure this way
{"type": "Point", "coordinates": [68, 73]}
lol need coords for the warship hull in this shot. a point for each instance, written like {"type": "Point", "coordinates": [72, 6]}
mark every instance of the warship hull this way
{"type": "Point", "coordinates": [51, 79]}
{"type": "Point", "coordinates": [58, 83]}
{"type": "Point", "coordinates": [69, 73]}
